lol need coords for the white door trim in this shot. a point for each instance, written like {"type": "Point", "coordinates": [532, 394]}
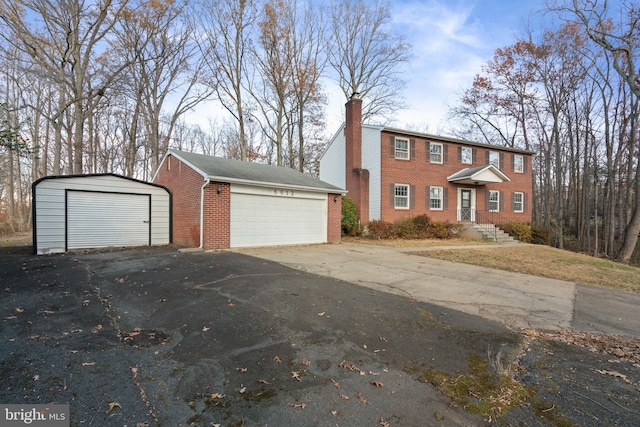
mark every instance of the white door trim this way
{"type": "Point", "coordinates": [472, 214]}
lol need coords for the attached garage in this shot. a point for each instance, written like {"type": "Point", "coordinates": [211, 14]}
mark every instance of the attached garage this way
{"type": "Point", "coordinates": [97, 211]}
{"type": "Point", "coordinates": [261, 218]}
{"type": "Point", "coordinates": [223, 203]}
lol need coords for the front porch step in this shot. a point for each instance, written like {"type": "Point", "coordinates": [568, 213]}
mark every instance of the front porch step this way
{"type": "Point", "coordinates": [492, 232]}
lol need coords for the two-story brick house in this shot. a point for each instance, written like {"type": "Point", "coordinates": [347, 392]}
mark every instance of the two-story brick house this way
{"type": "Point", "coordinates": [392, 173]}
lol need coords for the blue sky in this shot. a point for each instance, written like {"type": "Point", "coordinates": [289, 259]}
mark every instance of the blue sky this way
{"type": "Point", "coordinates": [451, 41]}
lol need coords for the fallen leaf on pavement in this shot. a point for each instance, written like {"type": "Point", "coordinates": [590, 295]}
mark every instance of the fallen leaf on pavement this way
{"type": "Point", "coordinates": [362, 399]}
{"type": "Point", "coordinates": [19, 310]}
{"type": "Point", "coordinates": [142, 424]}
{"type": "Point", "coordinates": [335, 383]}
{"type": "Point", "coordinates": [112, 406]}
{"type": "Point", "coordinates": [217, 396]}
{"type": "Point", "coordinates": [243, 370]}
{"type": "Point", "coordinates": [305, 362]}
{"type": "Point", "coordinates": [322, 313]}
{"type": "Point", "coordinates": [277, 359]}
{"type": "Point", "coordinates": [264, 381]}
{"type": "Point", "coordinates": [334, 413]}
{"type": "Point", "coordinates": [376, 383]}
{"type": "Point", "coordinates": [298, 405]}
{"type": "Point", "coordinates": [88, 363]}
{"type": "Point", "coordinates": [243, 389]}
{"type": "Point", "coordinates": [383, 423]}
{"type": "Point", "coordinates": [36, 377]}
{"type": "Point", "coordinates": [344, 397]}
{"type": "Point", "coordinates": [230, 304]}
{"type": "Point", "coordinates": [205, 329]}
{"type": "Point", "coordinates": [296, 375]}
{"type": "Point", "coordinates": [614, 374]}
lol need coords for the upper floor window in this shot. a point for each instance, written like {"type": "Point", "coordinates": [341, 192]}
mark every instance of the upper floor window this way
{"type": "Point", "coordinates": [402, 149]}
{"type": "Point", "coordinates": [466, 155]}
{"type": "Point", "coordinates": [435, 152]}
{"type": "Point", "coordinates": [494, 201]}
{"type": "Point", "coordinates": [518, 163]}
{"type": "Point", "coordinates": [518, 202]}
{"type": "Point", "coordinates": [494, 159]}
{"type": "Point", "coordinates": [401, 198]}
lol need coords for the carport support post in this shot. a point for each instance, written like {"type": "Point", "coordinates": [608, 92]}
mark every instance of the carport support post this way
{"type": "Point", "coordinates": [206, 183]}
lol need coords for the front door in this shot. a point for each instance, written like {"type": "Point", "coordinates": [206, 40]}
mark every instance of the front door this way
{"type": "Point", "coordinates": [466, 205]}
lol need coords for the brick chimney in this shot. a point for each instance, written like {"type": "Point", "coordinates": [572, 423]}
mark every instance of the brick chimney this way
{"type": "Point", "coordinates": [357, 178]}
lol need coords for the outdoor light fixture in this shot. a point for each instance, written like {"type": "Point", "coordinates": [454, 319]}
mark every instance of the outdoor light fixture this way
{"type": "Point", "coordinates": [219, 189]}
{"type": "Point", "coordinates": [335, 199]}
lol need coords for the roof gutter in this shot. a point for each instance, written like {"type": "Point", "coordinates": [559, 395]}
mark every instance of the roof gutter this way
{"type": "Point", "coordinates": [207, 181]}
{"type": "Point", "coordinates": [276, 184]}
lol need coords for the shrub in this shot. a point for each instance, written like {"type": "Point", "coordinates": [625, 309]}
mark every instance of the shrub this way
{"type": "Point", "coordinates": [519, 230]}
{"type": "Point", "coordinates": [540, 235]}
{"type": "Point", "coordinates": [349, 217]}
{"type": "Point", "coordinates": [419, 227]}
{"type": "Point", "coordinates": [422, 224]}
{"type": "Point", "coordinates": [406, 228]}
{"type": "Point", "coordinates": [381, 230]}
{"type": "Point", "coordinates": [440, 230]}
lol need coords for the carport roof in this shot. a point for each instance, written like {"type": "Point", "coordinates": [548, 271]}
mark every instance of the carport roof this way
{"type": "Point", "coordinates": [239, 172]}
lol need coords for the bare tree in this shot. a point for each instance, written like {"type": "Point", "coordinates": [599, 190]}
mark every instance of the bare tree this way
{"type": "Point", "coordinates": [619, 37]}
{"type": "Point", "coordinates": [226, 27]}
{"type": "Point", "coordinates": [367, 56]}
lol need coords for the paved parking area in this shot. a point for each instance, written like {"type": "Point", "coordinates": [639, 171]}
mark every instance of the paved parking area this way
{"type": "Point", "coordinates": [155, 337]}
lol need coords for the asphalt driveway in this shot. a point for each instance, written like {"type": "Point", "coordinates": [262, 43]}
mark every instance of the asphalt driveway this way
{"type": "Point", "coordinates": [156, 337]}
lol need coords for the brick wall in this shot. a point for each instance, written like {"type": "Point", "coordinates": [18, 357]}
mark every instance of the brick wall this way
{"type": "Point", "coordinates": [334, 218]}
{"type": "Point", "coordinates": [217, 216]}
{"type": "Point", "coordinates": [185, 185]}
{"type": "Point", "coordinates": [419, 173]}
{"type": "Point", "coordinates": [356, 179]}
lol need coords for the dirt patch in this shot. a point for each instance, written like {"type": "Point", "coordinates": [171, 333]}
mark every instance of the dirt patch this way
{"type": "Point", "coordinates": [16, 239]}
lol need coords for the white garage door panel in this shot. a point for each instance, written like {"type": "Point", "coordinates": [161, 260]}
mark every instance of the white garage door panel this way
{"type": "Point", "coordinates": [258, 220]}
{"type": "Point", "coordinates": [96, 220]}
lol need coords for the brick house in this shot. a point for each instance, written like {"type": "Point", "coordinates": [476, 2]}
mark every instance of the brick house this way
{"type": "Point", "coordinates": [222, 203]}
{"type": "Point", "coordinates": [392, 173]}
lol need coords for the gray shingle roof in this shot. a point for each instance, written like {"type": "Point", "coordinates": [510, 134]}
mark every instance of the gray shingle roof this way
{"type": "Point", "coordinates": [236, 171]}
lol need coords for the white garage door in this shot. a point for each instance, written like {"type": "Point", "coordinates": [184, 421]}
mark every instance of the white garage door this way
{"type": "Point", "coordinates": [98, 220]}
{"type": "Point", "coordinates": [263, 220]}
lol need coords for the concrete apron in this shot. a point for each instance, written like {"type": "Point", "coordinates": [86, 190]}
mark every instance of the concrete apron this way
{"type": "Point", "coordinates": [515, 300]}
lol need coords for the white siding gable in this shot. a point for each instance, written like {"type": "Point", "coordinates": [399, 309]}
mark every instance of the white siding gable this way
{"type": "Point", "coordinates": [332, 162]}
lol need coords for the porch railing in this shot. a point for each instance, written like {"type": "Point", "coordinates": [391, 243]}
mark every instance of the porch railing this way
{"type": "Point", "coordinates": [489, 221]}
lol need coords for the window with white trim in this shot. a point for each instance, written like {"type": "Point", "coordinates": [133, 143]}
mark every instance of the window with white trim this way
{"type": "Point", "coordinates": [494, 159]}
{"type": "Point", "coordinates": [494, 201]}
{"type": "Point", "coordinates": [435, 152]}
{"type": "Point", "coordinates": [518, 202]}
{"type": "Point", "coordinates": [401, 196]}
{"type": "Point", "coordinates": [518, 163]}
{"type": "Point", "coordinates": [402, 148]}
{"type": "Point", "coordinates": [466, 155]}
{"type": "Point", "coordinates": [435, 198]}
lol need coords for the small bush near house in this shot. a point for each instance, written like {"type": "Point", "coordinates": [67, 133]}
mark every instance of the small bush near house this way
{"type": "Point", "coordinates": [422, 222]}
{"type": "Point", "coordinates": [519, 230]}
{"type": "Point", "coordinates": [349, 217]}
{"type": "Point", "coordinates": [381, 230]}
{"type": "Point", "coordinates": [540, 235]}
{"type": "Point", "coordinates": [419, 227]}
{"type": "Point", "coordinates": [406, 228]}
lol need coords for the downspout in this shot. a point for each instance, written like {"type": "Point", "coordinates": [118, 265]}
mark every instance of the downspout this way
{"type": "Point", "coordinates": [206, 182]}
